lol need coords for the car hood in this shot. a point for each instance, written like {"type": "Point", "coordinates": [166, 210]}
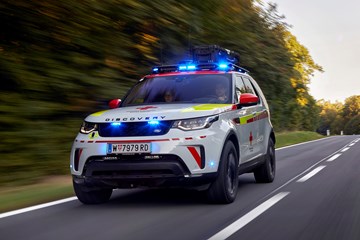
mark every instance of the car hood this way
{"type": "Point", "coordinates": [158, 112]}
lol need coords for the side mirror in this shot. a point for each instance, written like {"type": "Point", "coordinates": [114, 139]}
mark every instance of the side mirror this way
{"type": "Point", "coordinates": [248, 99]}
{"type": "Point", "coordinates": [115, 103]}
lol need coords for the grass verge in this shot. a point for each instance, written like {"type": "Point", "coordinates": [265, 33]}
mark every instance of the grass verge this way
{"type": "Point", "coordinates": [58, 187]}
{"type": "Point", "coordinates": [50, 189]}
{"type": "Point", "coordinates": [289, 138]}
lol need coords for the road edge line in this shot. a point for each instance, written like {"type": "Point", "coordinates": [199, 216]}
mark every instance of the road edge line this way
{"type": "Point", "coordinates": [36, 207]}
{"type": "Point", "coordinates": [298, 144]}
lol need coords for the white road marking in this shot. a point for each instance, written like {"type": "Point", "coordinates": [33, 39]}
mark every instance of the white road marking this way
{"type": "Point", "coordinates": [345, 149]}
{"type": "Point", "coordinates": [300, 174]}
{"type": "Point", "coordinates": [351, 144]}
{"type": "Point", "coordinates": [36, 207]}
{"type": "Point", "coordinates": [241, 222]}
{"type": "Point", "coordinates": [334, 157]}
{"type": "Point", "coordinates": [311, 174]}
{"type": "Point", "coordinates": [294, 145]}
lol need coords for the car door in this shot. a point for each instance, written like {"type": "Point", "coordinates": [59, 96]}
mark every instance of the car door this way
{"type": "Point", "coordinates": [246, 127]}
{"type": "Point", "coordinates": [262, 119]}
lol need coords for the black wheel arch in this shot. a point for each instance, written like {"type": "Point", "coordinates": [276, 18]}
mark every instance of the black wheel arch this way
{"type": "Point", "coordinates": [234, 139]}
{"type": "Point", "coordinates": [272, 136]}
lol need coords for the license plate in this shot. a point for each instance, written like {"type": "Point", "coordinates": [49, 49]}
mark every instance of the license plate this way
{"type": "Point", "coordinates": [129, 148]}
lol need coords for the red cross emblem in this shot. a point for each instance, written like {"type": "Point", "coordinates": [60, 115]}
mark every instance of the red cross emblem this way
{"type": "Point", "coordinates": [145, 108]}
{"type": "Point", "coordinates": [250, 138]}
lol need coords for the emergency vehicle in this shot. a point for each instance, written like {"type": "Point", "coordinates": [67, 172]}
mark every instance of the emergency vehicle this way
{"type": "Point", "coordinates": [197, 124]}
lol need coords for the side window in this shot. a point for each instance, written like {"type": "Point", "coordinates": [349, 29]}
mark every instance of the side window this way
{"type": "Point", "coordinates": [251, 88]}
{"type": "Point", "coordinates": [239, 88]}
{"type": "Point", "coordinates": [248, 86]}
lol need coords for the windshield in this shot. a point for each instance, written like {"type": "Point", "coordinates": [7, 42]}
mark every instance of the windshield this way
{"type": "Point", "coordinates": [192, 88]}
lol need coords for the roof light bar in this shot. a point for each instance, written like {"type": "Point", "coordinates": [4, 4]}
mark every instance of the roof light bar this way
{"type": "Point", "coordinates": [206, 58]}
{"type": "Point", "coordinates": [199, 67]}
{"type": "Point", "coordinates": [187, 67]}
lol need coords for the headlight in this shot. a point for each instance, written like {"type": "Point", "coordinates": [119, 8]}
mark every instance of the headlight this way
{"type": "Point", "coordinates": [195, 123]}
{"type": "Point", "coordinates": [88, 127]}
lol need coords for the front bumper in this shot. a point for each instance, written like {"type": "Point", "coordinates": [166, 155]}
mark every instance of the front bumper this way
{"type": "Point", "coordinates": [196, 153]}
{"type": "Point", "coordinates": [135, 171]}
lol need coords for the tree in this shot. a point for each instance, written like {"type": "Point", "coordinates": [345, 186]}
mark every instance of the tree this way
{"type": "Point", "coordinates": [351, 115]}
{"type": "Point", "coordinates": [339, 117]}
{"type": "Point", "coordinates": [330, 117]}
{"type": "Point", "coordinates": [353, 126]}
{"type": "Point", "coordinates": [351, 107]}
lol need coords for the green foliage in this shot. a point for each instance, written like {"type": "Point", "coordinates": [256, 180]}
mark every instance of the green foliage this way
{"type": "Point", "coordinates": [338, 117]}
{"type": "Point", "coordinates": [61, 60]}
{"type": "Point", "coordinates": [353, 125]}
{"type": "Point", "coordinates": [330, 117]}
{"type": "Point", "coordinates": [351, 107]}
{"type": "Point", "coordinates": [352, 113]}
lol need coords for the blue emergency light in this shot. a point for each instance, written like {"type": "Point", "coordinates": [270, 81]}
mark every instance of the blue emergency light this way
{"type": "Point", "coordinates": [153, 122]}
{"type": "Point", "coordinates": [223, 66]}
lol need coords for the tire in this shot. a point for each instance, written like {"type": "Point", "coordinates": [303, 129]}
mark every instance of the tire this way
{"type": "Point", "coordinates": [224, 189]}
{"type": "Point", "coordinates": [266, 172]}
{"type": "Point", "coordinates": [92, 196]}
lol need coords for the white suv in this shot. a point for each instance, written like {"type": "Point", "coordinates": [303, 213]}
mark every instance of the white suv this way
{"type": "Point", "coordinates": [197, 124]}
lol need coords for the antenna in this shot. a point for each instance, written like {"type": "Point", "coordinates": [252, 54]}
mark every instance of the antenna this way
{"type": "Point", "coordinates": [189, 34]}
{"type": "Point", "coordinates": [161, 53]}
{"type": "Point", "coordinates": [189, 40]}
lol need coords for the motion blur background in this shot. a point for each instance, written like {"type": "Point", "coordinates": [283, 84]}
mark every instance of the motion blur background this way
{"type": "Point", "coordinates": [61, 60]}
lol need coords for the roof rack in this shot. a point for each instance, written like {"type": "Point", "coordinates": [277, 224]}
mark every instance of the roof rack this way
{"type": "Point", "coordinates": [214, 53]}
{"type": "Point", "coordinates": [210, 57]}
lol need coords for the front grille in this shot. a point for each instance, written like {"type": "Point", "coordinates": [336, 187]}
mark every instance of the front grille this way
{"type": "Point", "coordinates": [132, 129]}
{"type": "Point", "coordinates": [137, 173]}
{"type": "Point", "coordinates": [135, 166]}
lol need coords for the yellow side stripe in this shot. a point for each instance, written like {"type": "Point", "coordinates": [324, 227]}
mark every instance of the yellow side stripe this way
{"type": "Point", "coordinates": [205, 107]}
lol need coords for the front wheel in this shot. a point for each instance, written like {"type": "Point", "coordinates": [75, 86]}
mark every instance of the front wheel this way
{"type": "Point", "coordinates": [224, 188]}
{"type": "Point", "coordinates": [266, 172]}
{"type": "Point", "coordinates": [91, 196]}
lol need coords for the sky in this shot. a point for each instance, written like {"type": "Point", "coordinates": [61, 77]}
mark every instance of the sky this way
{"type": "Point", "coordinates": [330, 30]}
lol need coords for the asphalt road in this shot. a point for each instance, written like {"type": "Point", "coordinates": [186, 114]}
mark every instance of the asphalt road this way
{"type": "Point", "coordinates": [316, 195]}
